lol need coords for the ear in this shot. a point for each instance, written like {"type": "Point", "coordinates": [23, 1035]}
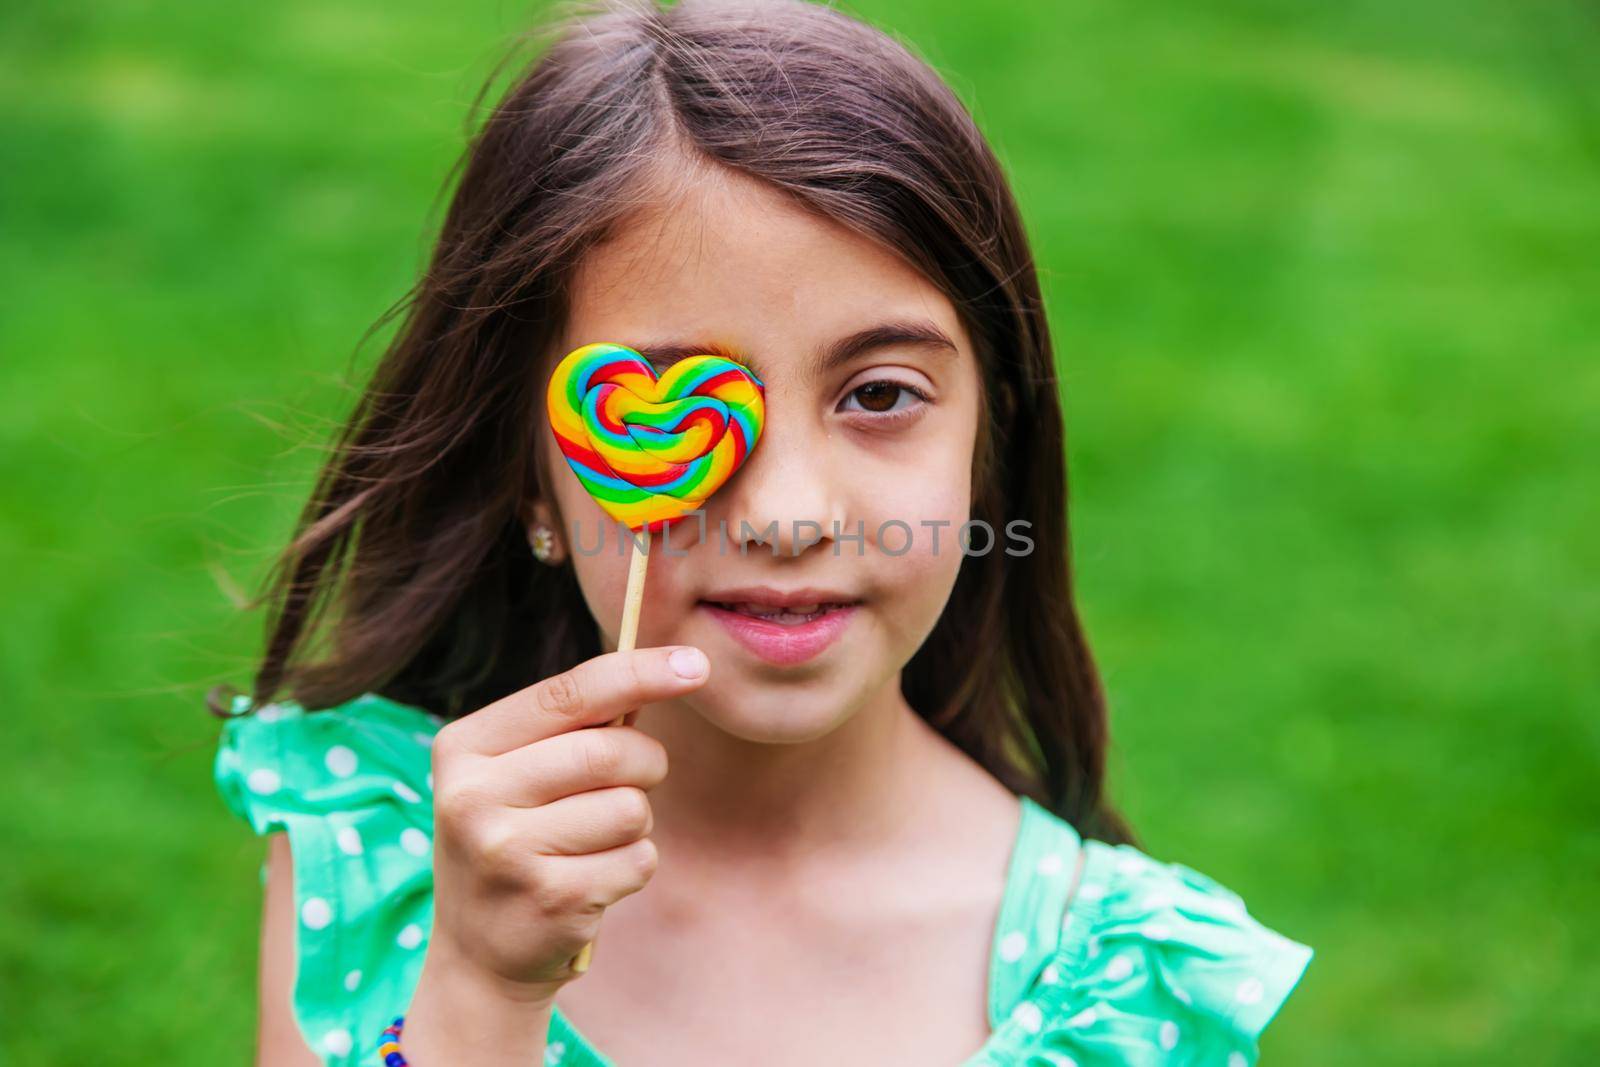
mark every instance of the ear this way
{"type": "Point", "coordinates": [533, 510]}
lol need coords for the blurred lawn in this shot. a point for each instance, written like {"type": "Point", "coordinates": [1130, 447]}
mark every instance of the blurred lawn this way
{"type": "Point", "coordinates": [1324, 279]}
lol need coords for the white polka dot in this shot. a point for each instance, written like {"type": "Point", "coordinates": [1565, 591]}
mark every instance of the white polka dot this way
{"type": "Point", "coordinates": [263, 780]}
{"type": "Point", "coordinates": [337, 1042]}
{"type": "Point", "coordinates": [410, 937]}
{"type": "Point", "coordinates": [1157, 902]}
{"type": "Point", "coordinates": [1236, 1059]}
{"type": "Point", "coordinates": [406, 793]}
{"type": "Point", "coordinates": [1120, 967]}
{"type": "Point", "coordinates": [1012, 946]}
{"type": "Point", "coordinates": [1050, 864]}
{"type": "Point", "coordinates": [316, 913]}
{"type": "Point", "coordinates": [1158, 931]}
{"type": "Point", "coordinates": [1050, 976]}
{"type": "Point", "coordinates": [554, 1052]}
{"type": "Point", "coordinates": [414, 841]}
{"type": "Point", "coordinates": [1182, 994]}
{"type": "Point", "coordinates": [349, 840]}
{"type": "Point", "coordinates": [1028, 1016]}
{"type": "Point", "coordinates": [430, 781]}
{"type": "Point", "coordinates": [1094, 947]}
{"type": "Point", "coordinates": [271, 712]}
{"type": "Point", "coordinates": [1092, 891]}
{"type": "Point", "coordinates": [1168, 1036]}
{"type": "Point", "coordinates": [425, 740]}
{"type": "Point", "coordinates": [341, 761]}
{"type": "Point", "coordinates": [352, 981]}
{"type": "Point", "coordinates": [1086, 1017]}
{"type": "Point", "coordinates": [1250, 991]}
{"type": "Point", "coordinates": [1130, 865]}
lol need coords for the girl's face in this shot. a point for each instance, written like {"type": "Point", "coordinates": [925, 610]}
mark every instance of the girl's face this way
{"type": "Point", "coordinates": [872, 414]}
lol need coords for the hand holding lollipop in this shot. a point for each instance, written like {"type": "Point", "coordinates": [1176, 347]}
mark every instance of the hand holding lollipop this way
{"type": "Point", "coordinates": [649, 450]}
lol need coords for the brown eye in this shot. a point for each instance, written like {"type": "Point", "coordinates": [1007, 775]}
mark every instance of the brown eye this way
{"type": "Point", "coordinates": [878, 396]}
{"type": "Point", "coordinates": [890, 399]}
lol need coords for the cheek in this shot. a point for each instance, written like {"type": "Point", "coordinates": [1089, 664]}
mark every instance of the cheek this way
{"type": "Point", "coordinates": [912, 588]}
{"type": "Point", "coordinates": [600, 561]}
{"type": "Point", "coordinates": [928, 481]}
{"type": "Point", "coordinates": [597, 547]}
{"type": "Point", "coordinates": [920, 503]}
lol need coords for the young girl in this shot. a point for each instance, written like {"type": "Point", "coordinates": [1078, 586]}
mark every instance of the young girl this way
{"type": "Point", "coordinates": [883, 837]}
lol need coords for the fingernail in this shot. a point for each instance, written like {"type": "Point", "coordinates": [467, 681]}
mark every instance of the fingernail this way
{"type": "Point", "coordinates": [687, 662]}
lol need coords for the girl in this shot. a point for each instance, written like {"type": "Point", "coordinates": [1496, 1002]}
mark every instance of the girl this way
{"type": "Point", "coordinates": [883, 837]}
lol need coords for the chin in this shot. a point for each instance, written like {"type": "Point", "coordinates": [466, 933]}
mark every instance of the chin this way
{"type": "Point", "coordinates": [772, 715]}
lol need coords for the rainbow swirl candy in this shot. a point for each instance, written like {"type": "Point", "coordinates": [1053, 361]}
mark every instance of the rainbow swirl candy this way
{"type": "Point", "coordinates": [652, 450]}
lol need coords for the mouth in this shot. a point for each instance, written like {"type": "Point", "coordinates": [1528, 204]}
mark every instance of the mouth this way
{"type": "Point", "coordinates": [783, 628]}
{"type": "Point", "coordinates": [798, 615]}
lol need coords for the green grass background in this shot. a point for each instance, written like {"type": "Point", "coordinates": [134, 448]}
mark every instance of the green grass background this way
{"type": "Point", "coordinates": [1325, 280]}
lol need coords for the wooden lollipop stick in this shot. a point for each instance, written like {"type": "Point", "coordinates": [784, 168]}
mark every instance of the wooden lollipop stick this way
{"type": "Point", "coordinates": [625, 642]}
{"type": "Point", "coordinates": [635, 594]}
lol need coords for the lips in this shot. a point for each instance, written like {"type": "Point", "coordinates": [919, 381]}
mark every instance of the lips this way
{"type": "Point", "coordinates": [782, 628]}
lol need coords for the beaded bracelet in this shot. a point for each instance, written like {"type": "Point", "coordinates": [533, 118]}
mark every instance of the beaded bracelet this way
{"type": "Point", "coordinates": [389, 1047]}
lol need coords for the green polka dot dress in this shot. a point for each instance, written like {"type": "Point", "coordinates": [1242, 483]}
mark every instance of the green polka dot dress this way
{"type": "Point", "coordinates": [1148, 963]}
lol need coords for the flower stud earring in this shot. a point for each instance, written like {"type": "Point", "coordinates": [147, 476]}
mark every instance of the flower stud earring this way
{"type": "Point", "coordinates": [543, 543]}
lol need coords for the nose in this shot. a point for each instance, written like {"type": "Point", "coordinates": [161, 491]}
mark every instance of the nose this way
{"type": "Point", "coordinates": [786, 495]}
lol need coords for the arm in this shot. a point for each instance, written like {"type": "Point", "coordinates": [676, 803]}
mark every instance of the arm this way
{"type": "Point", "coordinates": [460, 1015]}
{"type": "Point", "coordinates": [279, 1042]}
{"type": "Point", "coordinates": [455, 1013]}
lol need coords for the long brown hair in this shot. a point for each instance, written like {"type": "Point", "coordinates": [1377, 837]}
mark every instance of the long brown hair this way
{"type": "Point", "coordinates": [409, 574]}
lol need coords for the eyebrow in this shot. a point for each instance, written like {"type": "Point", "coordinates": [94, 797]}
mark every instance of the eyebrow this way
{"type": "Point", "coordinates": [905, 333]}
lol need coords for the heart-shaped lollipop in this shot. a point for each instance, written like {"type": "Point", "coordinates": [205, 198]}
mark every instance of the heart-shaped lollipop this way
{"type": "Point", "coordinates": [652, 450]}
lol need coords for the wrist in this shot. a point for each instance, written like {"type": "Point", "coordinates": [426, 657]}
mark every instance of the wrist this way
{"type": "Point", "coordinates": [461, 1013]}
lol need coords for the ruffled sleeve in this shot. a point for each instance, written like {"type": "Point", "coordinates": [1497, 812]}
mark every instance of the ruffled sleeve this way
{"type": "Point", "coordinates": [351, 787]}
{"type": "Point", "coordinates": [1155, 964]}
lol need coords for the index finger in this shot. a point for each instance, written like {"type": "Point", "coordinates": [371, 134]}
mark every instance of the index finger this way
{"type": "Point", "coordinates": [596, 691]}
